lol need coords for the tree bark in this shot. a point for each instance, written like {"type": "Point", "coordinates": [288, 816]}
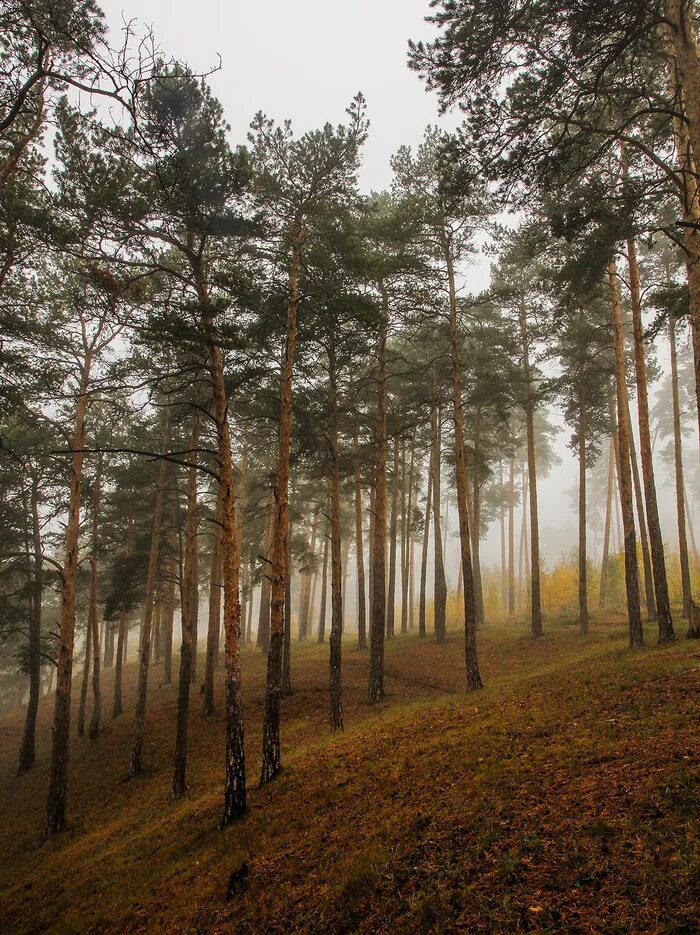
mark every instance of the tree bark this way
{"type": "Point", "coordinates": [439, 583]}
{"type": "Point", "coordinates": [27, 752]}
{"type": "Point", "coordinates": [470, 621]}
{"type": "Point", "coordinates": [359, 552]}
{"type": "Point", "coordinates": [336, 634]}
{"type": "Point", "coordinates": [393, 528]}
{"type": "Point", "coordinates": [529, 406]}
{"type": "Point", "coordinates": [214, 621]}
{"type": "Point", "coordinates": [287, 642]}
{"type": "Point", "coordinates": [636, 634]}
{"type": "Point", "coordinates": [424, 551]}
{"type": "Point", "coordinates": [263, 634]}
{"type": "Point", "coordinates": [663, 604]}
{"type": "Point", "coordinates": [87, 665]}
{"type": "Point", "coordinates": [190, 606]}
{"type": "Point", "coordinates": [606, 531]}
{"type": "Point", "coordinates": [324, 592]}
{"type": "Point", "coordinates": [168, 621]}
{"type": "Point", "coordinates": [582, 545]}
{"type": "Point", "coordinates": [117, 708]}
{"type": "Point", "coordinates": [641, 518]}
{"type": "Point", "coordinates": [678, 466]}
{"type": "Point", "coordinates": [511, 538]}
{"type": "Point", "coordinates": [378, 539]}
{"type": "Point", "coordinates": [271, 753]}
{"type": "Point", "coordinates": [135, 766]}
{"type": "Point", "coordinates": [406, 507]}
{"type": "Point", "coordinates": [94, 728]}
{"type": "Point", "coordinates": [55, 818]}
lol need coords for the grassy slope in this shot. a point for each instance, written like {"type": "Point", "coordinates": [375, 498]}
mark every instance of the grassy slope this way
{"type": "Point", "coordinates": [564, 797]}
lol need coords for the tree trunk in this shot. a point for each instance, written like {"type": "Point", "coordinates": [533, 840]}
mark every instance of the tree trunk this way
{"type": "Point", "coordinates": [55, 818]}
{"type": "Point", "coordinates": [123, 623]}
{"type": "Point", "coordinates": [439, 583]}
{"type": "Point", "coordinates": [263, 634]}
{"type": "Point", "coordinates": [324, 592]}
{"type": "Point", "coordinates": [393, 527]}
{"type": "Point", "coordinates": [190, 606]}
{"type": "Point", "coordinates": [536, 611]}
{"type": "Point", "coordinates": [504, 570]}
{"type": "Point", "coordinates": [135, 766]}
{"type": "Point", "coordinates": [378, 540]}
{"type": "Point", "coordinates": [663, 604]}
{"type": "Point", "coordinates": [641, 518]}
{"type": "Point", "coordinates": [475, 524]}
{"type": "Point", "coordinates": [406, 506]}
{"type": "Point", "coordinates": [271, 754]}
{"type": "Point", "coordinates": [582, 546]}
{"type": "Point", "coordinates": [27, 753]}
{"type": "Point", "coordinates": [87, 665]}
{"type": "Point", "coordinates": [235, 774]}
{"type": "Point", "coordinates": [336, 635]}
{"type": "Point", "coordinates": [470, 621]}
{"type": "Point", "coordinates": [287, 642]}
{"type": "Point", "coordinates": [511, 538]}
{"type": "Point", "coordinates": [624, 476]}
{"type": "Point", "coordinates": [424, 551]}
{"type": "Point", "coordinates": [360, 557]}
{"type": "Point", "coordinates": [94, 728]}
{"type": "Point", "coordinates": [214, 621]}
{"type": "Point", "coordinates": [606, 532]}
{"type": "Point", "coordinates": [678, 464]}
{"type": "Point", "coordinates": [168, 622]}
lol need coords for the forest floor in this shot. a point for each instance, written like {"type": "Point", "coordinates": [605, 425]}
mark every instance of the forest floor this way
{"type": "Point", "coordinates": [563, 797]}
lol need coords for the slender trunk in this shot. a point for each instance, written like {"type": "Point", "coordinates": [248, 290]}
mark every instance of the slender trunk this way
{"type": "Point", "coordinates": [135, 766]}
{"type": "Point", "coordinates": [190, 606]}
{"type": "Point", "coordinates": [475, 528]}
{"type": "Point", "coordinates": [641, 518]}
{"type": "Point", "coordinates": [606, 532]}
{"type": "Point", "coordinates": [324, 592]}
{"type": "Point", "coordinates": [271, 754]}
{"type": "Point", "coordinates": [678, 464]}
{"type": "Point", "coordinates": [536, 611]}
{"type": "Point", "coordinates": [287, 642]}
{"type": "Point", "coordinates": [411, 583]}
{"type": "Point", "coordinates": [439, 583]}
{"type": "Point", "coordinates": [504, 571]}
{"type": "Point", "coordinates": [94, 728]}
{"type": "Point", "coordinates": [663, 604]}
{"type": "Point", "coordinates": [511, 538]}
{"type": "Point", "coordinates": [378, 540]}
{"type": "Point", "coordinates": [336, 635]}
{"type": "Point", "coordinates": [689, 520]}
{"type": "Point", "coordinates": [424, 552]}
{"type": "Point", "coordinates": [263, 634]}
{"type": "Point", "coordinates": [55, 818]}
{"type": "Point", "coordinates": [87, 665]}
{"type": "Point", "coordinates": [168, 621]}
{"type": "Point", "coordinates": [214, 621]}
{"type": "Point", "coordinates": [370, 553]}
{"type": "Point", "coordinates": [195, 611]}
{"type": "Point", "coordinates": [234, 772]}
{"type": "Point", "coordinates": [393, 527]}
{"type": "Point", "coordinates": [359, 553]}
{"type": "Point", "coordinates": [117, 708]}
{"type": "Point", "coordinates": [27, 753]}
{"type": "Point", "coordinates": [582, 549]}
{"type": "Point", "coordinates": [249, 623]}
{"type": "Point", "coordinates": [624, 474]}
{"type": "Point", "coordinates": [470, 619]}
{"type": "Point", "coordinates": [406, 508]}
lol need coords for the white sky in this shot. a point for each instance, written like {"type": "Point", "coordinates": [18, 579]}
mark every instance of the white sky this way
{"type": "Point", "coordinates": [305, 60]}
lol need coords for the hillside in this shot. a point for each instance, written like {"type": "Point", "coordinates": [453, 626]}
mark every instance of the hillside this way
{"type": "Point", "coordinates": [561, 798]}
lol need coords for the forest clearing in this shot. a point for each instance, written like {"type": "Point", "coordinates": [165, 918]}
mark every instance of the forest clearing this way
{"type": "Point", "coordinates": [564, 797]}
{"type": "Point", "coordinates": [349, 466]}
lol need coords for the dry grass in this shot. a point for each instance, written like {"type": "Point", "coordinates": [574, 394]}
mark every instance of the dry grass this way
{"type": "Point", "coordinates": [561, 798]}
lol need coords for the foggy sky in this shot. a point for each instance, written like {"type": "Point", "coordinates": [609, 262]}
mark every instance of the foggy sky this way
{"type": "Point", "coordinates": [305, 60]}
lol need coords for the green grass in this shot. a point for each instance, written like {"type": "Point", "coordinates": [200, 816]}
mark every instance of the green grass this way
{"type": "Point", "coordinates": [563, 797]}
